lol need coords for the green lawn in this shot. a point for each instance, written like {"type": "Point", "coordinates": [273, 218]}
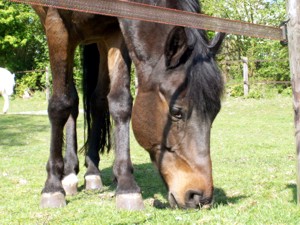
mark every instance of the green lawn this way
{"type": "Point", "coordinates": [253, 157]}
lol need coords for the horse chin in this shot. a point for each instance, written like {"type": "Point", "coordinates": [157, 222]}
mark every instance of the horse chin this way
{"type": "Point", "coordinates": [172, 201]}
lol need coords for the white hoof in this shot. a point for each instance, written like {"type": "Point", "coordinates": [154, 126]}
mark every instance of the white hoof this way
{"type": "Point", "coordinates": [70, 184]}
{"type": "Point", "coordinates": [53, 200]}
{"type": "Point", "coordinates": [93, 182]}
{"type": "Point", "coordinates": [132, 202]}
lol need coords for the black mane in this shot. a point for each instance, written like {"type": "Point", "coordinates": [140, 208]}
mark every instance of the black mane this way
{"type": "Point", "coordinates": [189, 5]}
{"type": "Point", "coordinates": [205, 85]}
{"type": "Point", "coordinates": [205, 82]}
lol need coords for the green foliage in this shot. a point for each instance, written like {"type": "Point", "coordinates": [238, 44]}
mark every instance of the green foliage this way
{"type": "Point", "coordinates": [275, 65]}
{"type": "Point", "coordinates": [255, 93]}
{"type": "Point", "coordinates": [286, 91]}
{"type": "Point", "coordinates": [258, 90]}
{"type": "Point", "coordinates": [235, 90]}
{"type": "Point", "coordinates": [22, 42]}
{"type": "Point", "coordinates": [133, 80]}
{"type": "Point", "coordinates": [235, 47]}
{"type": "Point", "coordinates": [77, 69]}
{"type": "Point", "coordinates": [23, 45]}
{"type": "Point", "coordinates": [34, 81]}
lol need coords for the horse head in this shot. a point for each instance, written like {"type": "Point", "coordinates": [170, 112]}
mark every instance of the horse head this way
{"type": "Point", "coordinates": [174, 112]}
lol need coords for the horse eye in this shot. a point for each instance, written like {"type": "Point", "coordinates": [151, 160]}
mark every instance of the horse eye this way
{"type": "Point", "coordinates": [176, 113]}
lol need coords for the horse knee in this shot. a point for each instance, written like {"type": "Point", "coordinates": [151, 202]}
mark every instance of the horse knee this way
{"type": "Point", "coordinates": [59, 109]}
{"type": "Point", "coordinates": [120, 106]}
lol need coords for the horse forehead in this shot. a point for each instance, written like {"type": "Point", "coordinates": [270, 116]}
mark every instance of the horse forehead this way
{"type": "Point", "coordinates": [171, 83]}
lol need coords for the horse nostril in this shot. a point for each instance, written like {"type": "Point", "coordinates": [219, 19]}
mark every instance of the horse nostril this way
{"type": "Point", "coordinates": [194, 199]}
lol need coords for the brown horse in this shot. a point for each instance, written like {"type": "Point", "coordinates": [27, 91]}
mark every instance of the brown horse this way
{"type": "Point", "coordinates": [177, 100]}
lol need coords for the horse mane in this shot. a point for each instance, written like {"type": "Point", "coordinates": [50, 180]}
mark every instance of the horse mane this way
{"type": "Point", "coordinates": [205, 85]}
{"type": "Point", "coordinates": [204, 81]}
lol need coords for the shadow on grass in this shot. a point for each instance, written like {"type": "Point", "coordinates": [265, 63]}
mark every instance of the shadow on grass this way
{"type": "Point", "coordinates": [16, 130]}
{"type": "Point", "coordinates": [293, 187]}
{"type": "Point", "coordinates": [145, 175]}
{"type": "Point", "coordinates": [220, 197]}
{"type": "Point", "coordinates": [152, 185]}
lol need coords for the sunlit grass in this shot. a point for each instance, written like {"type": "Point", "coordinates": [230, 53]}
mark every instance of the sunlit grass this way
{"type": "Point", "coordinates": [253, 157]}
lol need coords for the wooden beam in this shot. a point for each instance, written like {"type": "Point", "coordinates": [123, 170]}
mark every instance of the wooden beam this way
{"type": "Point", "coordinates": [145, 12]}
{"type": "Point", "coordinates": [293, 12]}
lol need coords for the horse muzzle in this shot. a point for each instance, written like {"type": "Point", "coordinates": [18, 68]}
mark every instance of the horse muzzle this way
{"type": "Point", "coordinates": [192, 199]}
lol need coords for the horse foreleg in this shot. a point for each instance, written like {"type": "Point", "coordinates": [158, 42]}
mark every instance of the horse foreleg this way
{"type": "Point", "coordinates": [53, 192]}
{"type": "Point", "coordinates": [60, 106]}
{"type": "Point", "coordinates": [6, 103]}
{"type": "Point", "coordinates": [71, 162]}
{"type": "Point", "coordinates": [128, 193]}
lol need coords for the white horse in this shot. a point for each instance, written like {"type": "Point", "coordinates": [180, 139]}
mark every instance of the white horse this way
{"type": "Point", "coordinates": [7, 83]}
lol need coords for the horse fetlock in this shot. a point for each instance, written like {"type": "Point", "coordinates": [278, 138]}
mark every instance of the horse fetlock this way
{"type": "Point", "coordinates": [93, 182]}
{"type": "Point", "coordinates": [53, 200]}
{"type": "Point", "coordinates": [127, 185]}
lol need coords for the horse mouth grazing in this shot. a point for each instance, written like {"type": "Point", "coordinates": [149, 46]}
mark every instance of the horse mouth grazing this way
{"type": "Point", "coordinates": [193, 200]}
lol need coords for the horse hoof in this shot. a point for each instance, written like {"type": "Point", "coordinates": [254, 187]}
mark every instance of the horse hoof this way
{"type": "Point", "coordinates": [70, 183]}
{"type": "Point", "coordinates": [53, 200]}
{"type": "Point", "coordinates": [93, 182]}
{"type": "Point", "coordinates": [132, 202]}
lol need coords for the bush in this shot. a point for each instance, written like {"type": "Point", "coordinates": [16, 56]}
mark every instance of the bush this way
{"type": "Point", "coordinates": [236, 90]}
{"type": "Point", "coordinates": [257, 91]}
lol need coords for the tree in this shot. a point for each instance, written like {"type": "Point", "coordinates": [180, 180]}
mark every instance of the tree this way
{"type": "Point", "coordinates": [22, 44]}
{"type": "Point", "coordinates": [265, 12]}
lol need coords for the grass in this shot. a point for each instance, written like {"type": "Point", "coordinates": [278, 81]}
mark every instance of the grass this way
{"type": "Point", "coordinates": [253, 156]}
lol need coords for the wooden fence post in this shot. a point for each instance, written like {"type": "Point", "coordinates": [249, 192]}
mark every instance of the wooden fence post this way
{"type": "Point", "coordinates": [293, 12]}
{"type": "Point", "coordinates": [47, 84]}
{"type": "Point", "coordinates": [245, 75]}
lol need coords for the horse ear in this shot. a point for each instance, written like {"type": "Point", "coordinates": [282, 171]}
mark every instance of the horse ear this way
{"type": "Point", "coordinates": [216, 43]}
{"type": "Point", "coordinates": [176, 46]}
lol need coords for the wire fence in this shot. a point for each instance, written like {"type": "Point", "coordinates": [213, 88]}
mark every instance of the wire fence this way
{"type": "Point", "coordinates": [236, 73]}
{"type": "Point", "coordinates": [246, 73]}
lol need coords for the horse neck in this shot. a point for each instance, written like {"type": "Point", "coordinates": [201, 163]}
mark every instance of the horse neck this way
{"type": "Point", "coordinates": [146, 41]}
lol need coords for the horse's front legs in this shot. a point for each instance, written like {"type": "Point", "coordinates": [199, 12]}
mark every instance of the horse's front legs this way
{"type": "Point", "coordinates": [128, 194]}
